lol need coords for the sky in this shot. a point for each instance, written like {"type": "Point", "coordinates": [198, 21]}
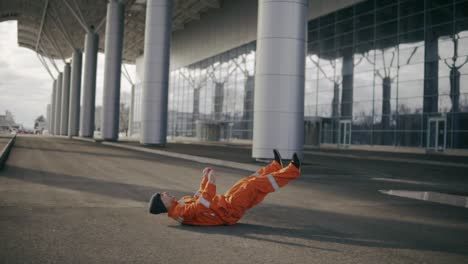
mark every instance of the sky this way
{"type": "Point", "coordinates": [25, 85]}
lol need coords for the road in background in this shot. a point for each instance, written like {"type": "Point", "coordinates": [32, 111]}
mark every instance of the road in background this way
{"type": "Point", "coordinates": [67, 201]}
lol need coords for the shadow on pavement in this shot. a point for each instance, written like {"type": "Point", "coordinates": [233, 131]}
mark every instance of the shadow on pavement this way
{"type": "Point", "coordinates": [331, 227]}
{"type": "Point", "coordinates": [117, 190]}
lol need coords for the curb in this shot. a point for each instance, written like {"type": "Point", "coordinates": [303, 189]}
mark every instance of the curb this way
{"type": "Point", "coordinates": [410, 161]}
{"type": "Point", "coordinates": [6, 152]}
{"type": "Point", "coordinates": [223, 163]}
{"type": "Point", "coordinates": [85, 139]}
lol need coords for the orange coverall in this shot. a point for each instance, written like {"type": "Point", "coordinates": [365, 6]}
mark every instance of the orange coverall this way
{"type": "Point", "coordinates": [206, 208]}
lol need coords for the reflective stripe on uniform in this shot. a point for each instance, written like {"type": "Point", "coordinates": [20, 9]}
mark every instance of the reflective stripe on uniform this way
{"type": "Point", "coordinates": [273, 182]}
{"type": "Point", "coordinates": [180, 219]}
{"type": "Point", "coordinates": [204, 202]}
{"type": "Point", "coordinates": [182, 202]}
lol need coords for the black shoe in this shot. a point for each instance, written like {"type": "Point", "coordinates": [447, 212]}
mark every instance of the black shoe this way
{"type": "Point", "coordinates": [295, 161]}
{"type": "Point", "coordinates": [278, 157]}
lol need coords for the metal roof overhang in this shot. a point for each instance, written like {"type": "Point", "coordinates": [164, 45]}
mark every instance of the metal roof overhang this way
{"type": "Point", "coordinates": [50, 28]}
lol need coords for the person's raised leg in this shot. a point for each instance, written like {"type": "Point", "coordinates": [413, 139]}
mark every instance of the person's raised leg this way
{"type": "Point", "coordinates": [275, 165]}
{"type": "Point", "coordinates": [256, 190]}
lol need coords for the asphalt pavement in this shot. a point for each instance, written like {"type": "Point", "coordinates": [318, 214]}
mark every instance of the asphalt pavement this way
{"type": "Point", "coordinates": [68, 201]}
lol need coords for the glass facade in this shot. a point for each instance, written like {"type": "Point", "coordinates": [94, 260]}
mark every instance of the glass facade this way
{"type": "Point", "coordinates": [381, 72]}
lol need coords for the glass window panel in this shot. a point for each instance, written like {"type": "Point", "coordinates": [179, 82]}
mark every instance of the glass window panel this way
{"type": "Point", "coordinates": [363, 108]}
{"type": "Point", "coordinates": [444, 86]}
{"type": "Point", "coordinates": [410, 54]}
{"type": "Point", "coordinates": [439, 15]}
{"type": "Point", "coordinates": [461, 27]}
{"type": "Point", "coordinates": [413, 88]}
{"type": "Point", "coordinates": [386, 14]}
{"type": "Point", "coordinates": [445, 104]}
{"type": "Point", "coordinates": [386, 59]}
{"type": "Point", "coordinates": [313, 35]}
{"type": "Point", "coordinates": [410, 7]}
{"type": "Point", "coordinates": [461, 10]}
{"type": "Point", "coordinates": [364, 7]}
{"type": "Point", "coordinates": [345, 40]}
{"type": "Point", "coordinates": [411, 36]}
{"type": "Point", "coordinates": [446, 47]}
{"type": "Point", "coordinates": [464, 103]}
{"type": "Point", "coordinates": [441, 30]}
{"type": "Point", "coordinates": [363, 93]}
{"type": "Point", "coordinates": [365, 35]}
{"type": "Point", "coordinates": [410, 105]}
{"type": "Point", "coordinates": [324, 110]}
{"type": "Point", "coordinates": [464, 81]}
{"type": "Point", "coordinates": [359, 137]}
{"type": "Point", "coordinates": [364, 21]}
{"type": "Point", "coordinates": [430, 4]}
{"type": "Point", "coordinates": [378, 107]}
{"type": "Point", "coordinates": [411, 23]}
{"type": "Point", "coordinates": [326, 20]}
{"type": "Point", "coordinates": [411, 72]}
{"type": "Point", "coordinates": [326, 31]}
{"type": "Point", "coordinates": [364, 62]}
{"type": "Point", "coordinates": [363, 79]}
{"type": "Point", "coordinates": [344, 13]}
{"type": "Point", "coordinates": [313, 24]}
{"type": "Point", "coordinates": [344, 26]}
{"type": "Point", "coordinates": [463, 46]}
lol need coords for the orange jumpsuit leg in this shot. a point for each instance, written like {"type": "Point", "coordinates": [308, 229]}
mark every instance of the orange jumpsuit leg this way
{"type": "Point", "coordinates": [253, 191]}
{"type": "Point", "coordinates": [273, 166]}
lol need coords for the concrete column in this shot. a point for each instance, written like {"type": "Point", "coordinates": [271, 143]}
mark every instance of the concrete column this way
{"type": "Point", "coordinates": [58, 104]}
{"type": "Point", "coordinates": [131, 111]}
{"type": "Point", "coordinates": [112, 70]}
{"type": "Point", "coordinates": [156, 72]}
{"type": "Point", "coordinates": [279, 78]}
{"type": "Point", "coordinates": [65, 100]}
{"type": "Point", "coordinates": [89, 85]}
{"type": "Point", "coordinates": [52, 108]}
{"type": "Point", "coordinates": [75, 93]}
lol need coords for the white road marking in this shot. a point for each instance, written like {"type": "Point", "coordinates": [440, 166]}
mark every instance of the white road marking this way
{"type": "Point", "coordinates": [436, 197]}
{"type": "Point", "coordinates": [404, 181]}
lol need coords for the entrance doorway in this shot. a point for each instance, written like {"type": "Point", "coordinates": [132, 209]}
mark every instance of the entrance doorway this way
{"type": "Point", "coordinates": [344, 133]}
{"type": "Point", "coordinates": [436, 133]}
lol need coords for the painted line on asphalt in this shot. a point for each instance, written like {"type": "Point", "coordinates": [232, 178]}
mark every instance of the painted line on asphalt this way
{"type": "Point", "coordinates": [414, 161]}
{"type": "Point", "coordinates": [404, 181]}
{"type": "Point", "coordinates": [436, 197]}
{"type": "Point", "coordinates": [218, 162]}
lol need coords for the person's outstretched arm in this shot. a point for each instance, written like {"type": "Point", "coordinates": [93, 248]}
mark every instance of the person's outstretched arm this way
{"type": "Point", "coordinates": [182, 212]}
{"type": "Point", "coordinates": [203, 182]}
{"type": "Point", "coordinates": [209, 191]}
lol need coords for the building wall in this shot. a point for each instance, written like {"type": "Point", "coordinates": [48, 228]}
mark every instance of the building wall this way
{"type": "Point", "coordinates": [384, 67]}
{"type": "Point", "coordinates": [231, 26]}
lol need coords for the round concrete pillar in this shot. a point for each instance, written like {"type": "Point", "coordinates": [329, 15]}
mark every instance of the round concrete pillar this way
{"type": "Point", "coordinates": [89, 85]}
{"type": "Point", "coordinates": [279, 78]}
{"type": "Point", "coordinates": [156, 72]}
{"type": "Point", "coordinates": [52, 108]}
{"type": "Point", "coordinates": [58, 104]}
{"type": "Point", "coordinates": [131, 112]}
{"type": "Point", "coordinates": [112, 70]}
{"type": "Point", "coordinates": [75, 92]}
{"type": "Point", "coordinates": [65, 100]}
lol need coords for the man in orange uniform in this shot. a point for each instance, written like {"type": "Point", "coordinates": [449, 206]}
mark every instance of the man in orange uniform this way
{"type": "Point", "coordinates": [206, 208]}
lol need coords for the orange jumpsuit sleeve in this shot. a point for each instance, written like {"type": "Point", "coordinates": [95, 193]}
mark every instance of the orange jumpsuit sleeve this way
{"type": "Point", "coordinates": [202, 187]}
{"type": "Point", "coordinates": [209, 191]}
{"type": "Point", "coordinates": [183, 212]}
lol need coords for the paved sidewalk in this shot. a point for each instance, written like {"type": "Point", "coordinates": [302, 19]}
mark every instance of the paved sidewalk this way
{"type": "Point", "coordinates": [240, 156]}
